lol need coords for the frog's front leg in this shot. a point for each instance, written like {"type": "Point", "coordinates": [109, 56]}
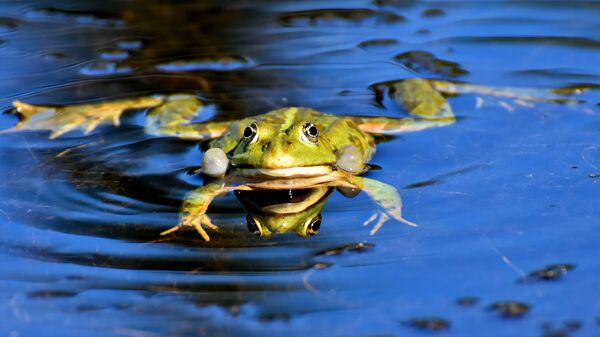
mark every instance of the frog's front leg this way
{"type": "Point", "coordinates": [386, 196]}
{"type": "Point", "coordinates": [195, 204]}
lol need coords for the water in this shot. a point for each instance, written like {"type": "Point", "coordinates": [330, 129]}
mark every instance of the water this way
{"type": "Point", "coordinates": [504, 192]}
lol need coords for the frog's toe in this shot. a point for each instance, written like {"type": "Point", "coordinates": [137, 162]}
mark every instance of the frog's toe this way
{"type": "Point", "coordinates": [197, 221]}
{"type": "Point", "coordinates": [380, 218]}
{"type": "Point", "coordinates": [206, 221]}
{"type": "Point", "coordinates": [170, 230]}
{"type": "Point", "coordinates": [198, 226]}
{"type": "Point", "coordinates": [396, 213]}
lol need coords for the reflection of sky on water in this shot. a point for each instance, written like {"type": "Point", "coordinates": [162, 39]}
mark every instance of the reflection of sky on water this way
{"type": "Point", "coordinates": [77, 257]}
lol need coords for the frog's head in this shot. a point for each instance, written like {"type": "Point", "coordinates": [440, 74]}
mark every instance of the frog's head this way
{"type": "Point", "coordinates": [284, 211]}
{"type": "Point", "coordinates": [284, 144]}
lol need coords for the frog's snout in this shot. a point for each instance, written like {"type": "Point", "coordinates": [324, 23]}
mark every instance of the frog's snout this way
{"type": "Point", "coordinates": [215, 163]}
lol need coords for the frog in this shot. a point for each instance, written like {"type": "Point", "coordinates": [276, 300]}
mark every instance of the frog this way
{"type": "Point", "coordinates": [286, 149]}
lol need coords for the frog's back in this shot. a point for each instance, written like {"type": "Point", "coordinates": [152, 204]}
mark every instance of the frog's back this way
{"type": "Point", "coordinates": [338, 131]}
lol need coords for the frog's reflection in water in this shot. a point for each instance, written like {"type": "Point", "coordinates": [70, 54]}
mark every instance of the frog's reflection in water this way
{"type": "Point", "coordinates": [282, 211]}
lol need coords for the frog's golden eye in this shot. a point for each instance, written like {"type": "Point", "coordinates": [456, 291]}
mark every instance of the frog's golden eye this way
{"type": "Point", "coordinates": [253, 225]}
{"type": "Point", "coordinates": [310, 132]}
{"type": "Point", "coordinates": [251, 133]}
{"type": "Point", "coordinates": [313, 225]}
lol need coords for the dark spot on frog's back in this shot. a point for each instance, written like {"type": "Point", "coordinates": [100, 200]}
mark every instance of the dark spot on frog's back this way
{"type": "Point", "coordinates": [510, 309]}
{"type": "Point", "coordinates": [428, 323]}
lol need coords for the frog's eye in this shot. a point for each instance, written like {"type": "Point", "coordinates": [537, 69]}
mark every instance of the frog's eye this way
{"type": "Point", "coordinates": [313, 225]}
{"type": "Point", "coordinates": [251, 133]}
{"type": "Point", "coordinates": [310, 132]}
{"type": "Point", "coordinates": [253, 225]}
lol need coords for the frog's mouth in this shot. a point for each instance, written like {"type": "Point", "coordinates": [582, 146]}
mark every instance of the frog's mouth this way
{"type": "Point", "coordinates": [287, 172]}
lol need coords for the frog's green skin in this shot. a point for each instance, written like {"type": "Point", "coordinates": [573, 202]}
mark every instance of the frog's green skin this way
{"type": "Point", "coordinates": [280, 155]}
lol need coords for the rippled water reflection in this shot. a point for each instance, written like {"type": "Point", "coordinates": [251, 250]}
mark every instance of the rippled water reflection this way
{"type": "Point", "coordinates": [508, 193]}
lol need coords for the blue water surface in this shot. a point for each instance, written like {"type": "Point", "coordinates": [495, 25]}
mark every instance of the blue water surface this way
{"type": "Point", "coordinates": [507, 190]}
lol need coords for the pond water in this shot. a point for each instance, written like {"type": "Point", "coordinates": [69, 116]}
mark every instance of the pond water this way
{"type": "Point", "coordinates": [506, 199]}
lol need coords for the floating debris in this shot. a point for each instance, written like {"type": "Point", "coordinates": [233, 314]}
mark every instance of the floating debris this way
{"type": "Point", "coordinates": [345, 92]}
{"type": "Point", "coordinates": [510, 309]}
{"type": "Point", "coordinates": [433, 12]}
{"type": "Point", "coordinates": [428, 323]}
{"type": "Point", "coordinates": [378, 43]}
{"type": "Point", "coordinates": [75, 16]}
{"type": "Point", "coordinates": [594, 175]}
{"type": "Point", "coordinates": [548, 273]}
{"type": "Point", "coordinates": [360, 247]}
{"type": "Point", "coordinates": [103, 68]}
{"type": "Point", "coordinates": [567, 328]}
{"type": "Point", "coordinates": [467, 301]}
{"type": "Point", "coordinates": [424, 62]}
{"type": "Point", "coordinates": [220, 63]}
{"type": "Point", "coordinates": [348, 15]}
{"type": "Point", "coordinates": [52, 294]}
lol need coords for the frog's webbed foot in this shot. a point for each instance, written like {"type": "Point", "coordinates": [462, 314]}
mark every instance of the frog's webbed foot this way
{"type": "Point", "coordinates": [193, 212]}
{"type": "Point", "coordinates": [386, 197]}
{"type": "Point", "coordinates": [193, 220]}
{"type": "Point", "coordinates": [382, 218]}
{"type": "Point", "coordinates": [86, 117]}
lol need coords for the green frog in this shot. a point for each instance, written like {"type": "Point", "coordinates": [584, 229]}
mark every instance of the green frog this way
{"type": "Point", "coordinates": [288, 149]}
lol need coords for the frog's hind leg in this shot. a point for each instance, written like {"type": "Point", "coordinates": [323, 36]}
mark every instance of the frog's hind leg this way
{"type": "Point", "coordinates": [520, 96]}
{"type": "Point", "coordinates": [174, 118]}
{"type": "Point", "coordinates": [193, 211]}
{"type": "Point", "coordinates": [426, 106]}
{"type": "Point", "coordinates": [86, 117]}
